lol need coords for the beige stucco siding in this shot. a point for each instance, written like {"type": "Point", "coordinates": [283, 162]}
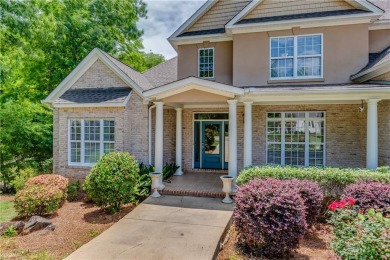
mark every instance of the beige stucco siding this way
{"type": "Point", "coordinates": [131, 129]}
{"type": "Point", "coordinates": [379, 40]}
{"type": "Point", "coordinates": [345, 52]}
{"type": "Point", "coordinates": [269, 8]}
{"type": "Point", "coordinates": [188, 60]}
{"type": "Point", "coordinates": [384, 132]}
{"type": "Point", "coordinates": [219, 15]}
{"type": "Point", "coordinates": [99, 76]}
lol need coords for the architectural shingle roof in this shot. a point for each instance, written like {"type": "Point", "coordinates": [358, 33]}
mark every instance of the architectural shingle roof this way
{"type": "Point", "coordinates": [376, 59]}
{"type": "Point", "coordinates": [203, 32]}
{"type": "Point", "coordinates": [163, 73]}
{"type": "Point", "coordinates": [301, 16]}
{"type": "Point", "coordinates": [136, 76]}
{"type": "Point", "coordinates": [94, 95]}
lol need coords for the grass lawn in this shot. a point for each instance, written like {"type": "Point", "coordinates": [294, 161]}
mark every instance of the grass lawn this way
{"type": "Point", "coordinates": [7, 210]}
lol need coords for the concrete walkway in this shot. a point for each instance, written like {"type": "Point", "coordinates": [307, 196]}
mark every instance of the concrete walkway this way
{"type": "Point", "coordinates": [171, 227]}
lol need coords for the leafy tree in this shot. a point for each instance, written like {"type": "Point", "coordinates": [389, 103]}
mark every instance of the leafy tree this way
{"type": "Point", "coordinates": [41, 42]}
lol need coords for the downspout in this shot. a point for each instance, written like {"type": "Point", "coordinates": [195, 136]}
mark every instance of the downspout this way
{"type": "Point", "coordinates": [150, 134]}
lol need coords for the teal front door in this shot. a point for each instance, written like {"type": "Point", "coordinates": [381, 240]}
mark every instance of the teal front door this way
{"type": "Point", "coordinates": [212, 145]}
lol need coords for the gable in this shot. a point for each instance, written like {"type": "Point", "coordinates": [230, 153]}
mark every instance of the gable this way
{"type": "Point", "coordinates": [271, 8]}
{"type": "Point", "coordinates": [195, 96]}
{"type": "Point", "coordinates": [219, 15]}
{"type": "Point", "coordinates": [99, 76]}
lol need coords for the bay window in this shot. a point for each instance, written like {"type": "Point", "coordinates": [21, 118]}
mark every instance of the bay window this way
{"type": "Point", "coordinates": [89, 140]}
{"type": "Point", "coordinates": [296, 138]}
{"type": "Point", "coordinates": [297, 57]}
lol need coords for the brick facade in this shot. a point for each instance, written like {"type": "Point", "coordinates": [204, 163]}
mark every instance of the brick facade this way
{"type": "Point", "coordinates": [384, 132]}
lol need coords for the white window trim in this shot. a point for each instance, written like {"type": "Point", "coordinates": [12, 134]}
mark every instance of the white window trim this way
{"type": "Point", "coordinates": [211, 48]}
{"type": "Point", "coordinates": [295, 58]}
{"type": "Point", "coordinates": [82, 141]}
{"type": "Point", "coordinates": [283, 141]}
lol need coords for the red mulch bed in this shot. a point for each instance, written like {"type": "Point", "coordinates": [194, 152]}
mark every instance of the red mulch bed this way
{"type": "Point", "coordinates": [76, 224]}
{"type": "Point", "coordinates": [313, 246]}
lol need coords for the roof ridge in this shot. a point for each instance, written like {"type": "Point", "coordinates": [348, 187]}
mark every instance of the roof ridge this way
{"type": "Point", "coordinates": [158, 65]}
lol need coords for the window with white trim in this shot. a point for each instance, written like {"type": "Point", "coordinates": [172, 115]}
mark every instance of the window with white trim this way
{"type": "Point", "coordinates": [206, 63]}
{"type": "Point", "coordinates": [297, 57]}
{"type": "Point", "coordinates": [296, 138]}
{"type": "Point", "coordinates": [89, 139]}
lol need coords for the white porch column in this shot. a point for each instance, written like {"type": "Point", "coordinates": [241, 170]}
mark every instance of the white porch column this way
{"type": "Point", "coordinates": [248, 134]}
{"type": "Point", "coordinates": [159, 140]}
{"type": "Point", "coordinates": [179, 136]}
{"type": "Point", "coordinates": [372, 134]}
{"type": "Point", "coordinates": [232, 138]}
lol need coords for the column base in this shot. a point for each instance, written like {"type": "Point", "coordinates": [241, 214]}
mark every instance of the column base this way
{"type": "Point", "coordinates": [179, 172]}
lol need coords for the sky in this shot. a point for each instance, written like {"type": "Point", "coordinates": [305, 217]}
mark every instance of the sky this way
{"type": "Point", "coordinates": [164, 17]}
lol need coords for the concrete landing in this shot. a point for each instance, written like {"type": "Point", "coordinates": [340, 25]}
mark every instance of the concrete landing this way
{"type": "Point", "coordinates": [171, 227]}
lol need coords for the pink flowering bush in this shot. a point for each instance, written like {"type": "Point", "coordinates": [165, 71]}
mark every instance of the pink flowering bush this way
{"type": "Point", "coordinates": [270, 217]}
{"type": "Point", "coordinates": [369, 195]}
{"type": "Point", "coordinates": [53, 180]}
{"type": "Point", "coordinates": [41, 195]}
{"type": "Point", "coordinates": [38, 200]}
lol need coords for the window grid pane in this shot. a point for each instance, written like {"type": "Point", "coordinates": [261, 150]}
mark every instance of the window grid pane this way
{"type": "Point", "coordinates": [92, 152]}
{"type": "Point", "coordinates": [75, 152]}
{"type": "Point", "coordinates": [306, 51]}
{"type": "Point", "coordinates": [297, 126]}
{"type": "Point", "coordinates": [206, 63]}
{"type": "Point", "coordinates": [92, 130]}
{"type": "Point", "coordinates": [109, 130]}
{"type": "Point", "coordinates": [75, 130]}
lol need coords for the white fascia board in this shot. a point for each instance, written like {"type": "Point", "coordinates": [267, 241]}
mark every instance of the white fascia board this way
{"type": "Point", "coordinates": [83, 66]}
{"type": "Point", "coordinates": [84, 105]}
{"type": "Point", "coordinates": [222, 37]}
{"type": "Point", "coordinates": [200, 12]}
{"type": "Point", "coordinates": [194, 81]}
{"type": "Point", "coordinates": [372, 72]}
{"type": "Point", "coordinates": [243, 13]}
{"type": "Point", "coordinates": [302, 23]}
{"type": "Point", "coordinates": [380, 25]}
{"type": "Point", "coordinates": [366, 5]}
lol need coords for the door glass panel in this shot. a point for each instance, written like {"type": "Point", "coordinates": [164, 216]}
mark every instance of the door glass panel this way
{"type": "Point", "coordinates": [226, 134]}
{"type": "Point", "coordinates": [211, 116]}
{"type": "Point", "coordinates": [211, 140]}
{"type": "Point", "coordinates": [197, 143]}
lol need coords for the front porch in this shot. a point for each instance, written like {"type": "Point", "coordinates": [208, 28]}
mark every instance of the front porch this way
{"type": "Point", "coordinates": [195, 184]}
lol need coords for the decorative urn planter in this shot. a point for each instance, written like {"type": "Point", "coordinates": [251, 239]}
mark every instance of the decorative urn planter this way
{"type": "Point", "coordinates": [155, 176]}
{"type": "Point", "coordinates": [227, 188]}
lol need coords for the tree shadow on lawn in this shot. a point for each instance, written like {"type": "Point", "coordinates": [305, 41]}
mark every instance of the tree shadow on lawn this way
{"type": "Point", "coordinates": [100, 216]}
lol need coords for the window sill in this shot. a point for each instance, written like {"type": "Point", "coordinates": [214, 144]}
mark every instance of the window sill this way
{"type": "Point", "coordinates": [211, 79]}
{"type": "Point", "coordinates": [278, 81]}
{"type": "Point", "coordinates": [79, 166]}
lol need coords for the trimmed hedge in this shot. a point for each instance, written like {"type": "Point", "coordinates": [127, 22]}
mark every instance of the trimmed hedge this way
{"type": "Point", "coordinates": [332, 180]}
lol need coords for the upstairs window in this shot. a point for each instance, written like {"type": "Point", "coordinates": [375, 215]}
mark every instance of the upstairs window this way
{"type": "Point", "coordinates": [296, 57]}
{"type": "Point", "coordinates": [206, 63]}
{"type": "Point", "coordinates": [89, 140]}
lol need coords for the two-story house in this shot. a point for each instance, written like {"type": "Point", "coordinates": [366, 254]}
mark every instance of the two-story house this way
{"type": "Point", "coordinates": [292, 82]}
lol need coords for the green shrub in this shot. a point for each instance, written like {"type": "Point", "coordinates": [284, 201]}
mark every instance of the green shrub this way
{"type": "Point", "coordinates": [20, 179]}
{"type": "Point", "coordinates": [38, 200]}
{"type": "Point", "coordinates": [73, 191]}
{"type": "Point", "coordinates": [358, 236]}
{"type": "Point", "coordinates": [113, 181]}
{"type": "Point", "coordinates": [10, 232]}
{"type": "Point", "coordinates": [169, 170]}
{"type": "Point", "coordinates": [144, 181]}
{"type": "Point", "coordinates": [332, 180]}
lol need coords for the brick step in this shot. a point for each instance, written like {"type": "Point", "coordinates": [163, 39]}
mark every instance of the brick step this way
{"type": "Point", "coordinates": [193, 193]}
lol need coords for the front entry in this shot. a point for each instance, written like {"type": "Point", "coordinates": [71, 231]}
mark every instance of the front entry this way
{"type": "Point", "coordinates": [211, 144]}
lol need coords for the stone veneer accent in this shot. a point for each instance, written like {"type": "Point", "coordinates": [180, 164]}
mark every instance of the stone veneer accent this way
{"type": "Point", "coordinates": [384, 132]}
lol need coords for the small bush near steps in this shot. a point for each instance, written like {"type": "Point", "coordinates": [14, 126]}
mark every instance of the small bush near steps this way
{"type": "Point", "coordinates": [270, 218]}
{"type": "Point", "coordinates": [113, 181]}
{"type": "Point", "coordinates": [41, 195]}
{"type": "Point", "coordinates": [73, 191]}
